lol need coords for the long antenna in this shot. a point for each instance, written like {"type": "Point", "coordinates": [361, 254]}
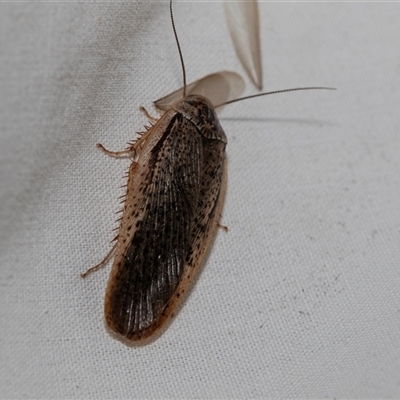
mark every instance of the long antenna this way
{"type": "Point", "coordinates": [179, 49]}
{"type": "Point", "coordinates": [274, 92]}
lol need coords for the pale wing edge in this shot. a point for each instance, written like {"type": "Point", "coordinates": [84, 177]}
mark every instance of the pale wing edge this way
{"type": "Point", "coordinates": [218, 87]}
{"type": "Point", "coordinates": [243, 23]}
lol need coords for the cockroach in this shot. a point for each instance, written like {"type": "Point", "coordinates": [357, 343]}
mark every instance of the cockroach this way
{"type": "Point", "coordinates": [175, 193]}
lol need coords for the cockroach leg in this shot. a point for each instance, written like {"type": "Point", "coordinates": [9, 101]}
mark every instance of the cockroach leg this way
{"type": "Point", "coordinates": [124, 153]}
{"type": "Point", "coordinates": [225, 228]}
{"type": "Point", "coordinates": [146, 113]}
{"type": "Point", "coordinates": [100, 264]}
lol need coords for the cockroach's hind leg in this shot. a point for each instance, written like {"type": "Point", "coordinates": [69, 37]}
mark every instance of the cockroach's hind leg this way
{"type": "Point", "coordinates": [225, 228]}
{"type": "Point", "coordinates": [124, 153]}
{"type": "Point", "coordinates": [100, 264]}
{"type": "Point", "coordinates": [145, 112]}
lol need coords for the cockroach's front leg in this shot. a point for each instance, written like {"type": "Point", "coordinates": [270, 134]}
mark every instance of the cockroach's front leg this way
{"type": "Point", "coordinates": [131, 152]}
{"type": "Point", "coordinates": [145, 112]}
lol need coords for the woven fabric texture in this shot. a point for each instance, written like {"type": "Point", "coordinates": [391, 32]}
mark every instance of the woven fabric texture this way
{"type": "Point", "coordinates": [300, 298]}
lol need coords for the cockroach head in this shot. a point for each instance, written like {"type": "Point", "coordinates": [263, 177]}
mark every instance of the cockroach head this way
{"type": "Point", "coordinates": [200, 111]}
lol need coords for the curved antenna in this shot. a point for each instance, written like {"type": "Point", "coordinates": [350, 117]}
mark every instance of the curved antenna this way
{"type": "Point", "coordinates": [179, 48]}
{"type": "Point", "coordinates": [274, 92]}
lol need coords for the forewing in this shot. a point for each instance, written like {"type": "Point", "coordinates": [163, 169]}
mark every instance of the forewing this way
{"type": "Point", "coordinates": [218, 87]}
{"type": "Point", "coordinates": [243, 23]}
{"type": "Point", "coordinates": [150, 270]}
{"type": "Point", "coordinates": [210, 201]}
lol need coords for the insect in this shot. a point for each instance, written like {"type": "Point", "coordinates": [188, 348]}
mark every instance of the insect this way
{"type": "Point", "coordinates": [175, 193]}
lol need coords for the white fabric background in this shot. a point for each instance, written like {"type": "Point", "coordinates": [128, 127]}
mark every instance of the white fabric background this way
{"type": "Point", "coordinates": [300, 298]}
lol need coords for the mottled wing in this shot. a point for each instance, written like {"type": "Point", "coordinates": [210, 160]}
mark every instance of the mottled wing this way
{"type": "Point", "coordinates": [218, 87]}
{"type": "Point", "coordinates": [167, 226]}
{"type": "Point", "coordinates": [243, 23]}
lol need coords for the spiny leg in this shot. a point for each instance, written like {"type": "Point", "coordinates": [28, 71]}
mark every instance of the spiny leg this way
{"type": "Point", "coordinates": [123, 153]}
{"type": "Point", "coordinates": [145, 112]}
{"type": "Point", "coordinates": [100, 264]}
{"type": "Point", "coordinates": [225, 228]}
